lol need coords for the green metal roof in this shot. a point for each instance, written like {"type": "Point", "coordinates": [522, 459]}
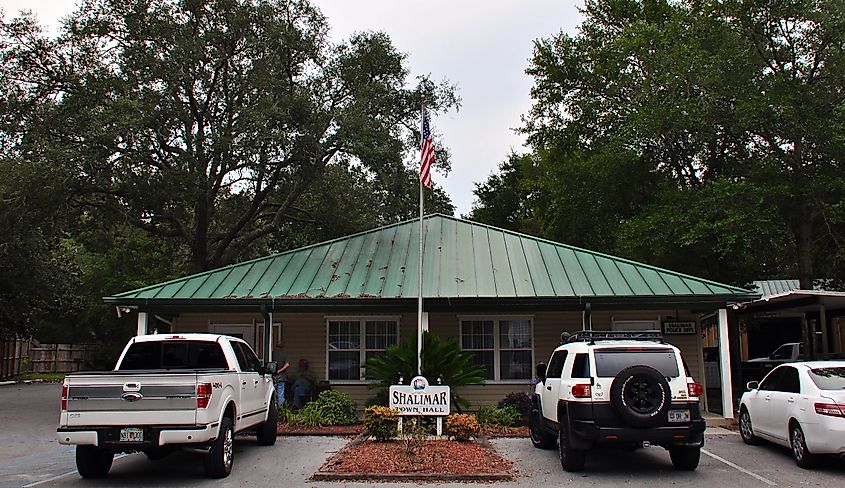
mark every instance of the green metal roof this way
{"type": "Point", "coordinates": [462, 259]}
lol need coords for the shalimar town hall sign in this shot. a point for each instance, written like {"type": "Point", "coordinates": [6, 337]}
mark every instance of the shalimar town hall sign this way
{"type": "Point", "coordinates": [420, 398]}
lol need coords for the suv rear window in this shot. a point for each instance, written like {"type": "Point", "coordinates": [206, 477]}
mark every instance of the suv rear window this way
{"type": "Point", "coordinates": [609, 362]}
{"type": "Point", "coordinates": [174, 355]}
{"type": "Point", "coordinates": [828, 378]}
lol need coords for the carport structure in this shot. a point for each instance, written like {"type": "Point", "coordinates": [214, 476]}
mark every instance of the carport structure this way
{"type": "Point", "coordinates": [505, 296]}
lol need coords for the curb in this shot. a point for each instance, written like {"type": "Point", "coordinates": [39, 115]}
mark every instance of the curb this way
{"type": "Point", "coordinates": [4, 383]}
{"type": "Point", "coordinates": [21, 382]}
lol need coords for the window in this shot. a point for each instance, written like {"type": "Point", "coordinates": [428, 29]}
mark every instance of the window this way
{"type": "Point", "coordinates": [502, 346]}
{"type": "Point", "coordinates": [556, 364]}
{"type": "Point", "coordinates": [609, 362]}
{"type": "Point", "coordinates": [829, 378]}
{"type": "Point", "coordinates": [581, 366]}
{"type": "Point", "coordinates": [246, 357]}
{"type": "Point", "coordinates": [790, 382]}
{"type": "Point", "coordinates": [774, 380]}
{"type": "Point", "coordinates": [174, 355]}
{"type": "Point", "coordinates": [352, 341]}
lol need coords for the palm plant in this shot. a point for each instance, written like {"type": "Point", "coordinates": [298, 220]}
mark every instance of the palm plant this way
{"type": "Point", "coordinates": [444, 360]}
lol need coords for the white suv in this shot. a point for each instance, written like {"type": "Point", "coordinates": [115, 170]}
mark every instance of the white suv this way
{"type": "Point", "coordinates": [617, 389]}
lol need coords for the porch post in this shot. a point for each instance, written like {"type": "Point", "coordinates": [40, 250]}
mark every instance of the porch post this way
{"type": "Point", "coordinates": [725, 365]}
{"type": "Point", "coordinates": [142, 323]}
{"type": "Point", "coordinates": [823, 324]}
{"type": "Point", "coordinates": [268, 328]}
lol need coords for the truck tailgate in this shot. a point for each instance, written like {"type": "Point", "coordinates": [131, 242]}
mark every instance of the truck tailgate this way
{"type": "Point", "coordinates": [131, 399]}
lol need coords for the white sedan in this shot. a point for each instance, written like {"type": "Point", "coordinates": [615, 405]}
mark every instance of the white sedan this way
{"type": "Point", "coordinates": [798, 405]}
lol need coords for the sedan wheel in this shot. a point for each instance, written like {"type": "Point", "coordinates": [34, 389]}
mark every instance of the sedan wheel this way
{"type": "Point", "coordinates": [803, 457]}
{"type": "Point", "coordinates": [746, 431]}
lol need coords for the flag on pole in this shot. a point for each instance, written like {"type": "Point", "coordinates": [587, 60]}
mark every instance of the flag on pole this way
{"type": "Point", "coordinates": [427, 150]}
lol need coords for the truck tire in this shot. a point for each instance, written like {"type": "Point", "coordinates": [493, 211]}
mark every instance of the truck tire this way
{"type": "Point", "coordinates": [571, 460]}
{"type": "Point", "coordinates": [266, 432]}
{"type": "Point", "coordinates": [93, 462]}
{"type": "Point", "coordinates": [685, 458]}
{"type": "Point", "coordinates": [641, 396]}
{"type": "Point", "coordinates": [539, 437]}
{"type": "Point", "coordinates": [219, 459]}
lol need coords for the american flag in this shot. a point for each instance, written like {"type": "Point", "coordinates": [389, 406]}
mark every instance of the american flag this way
{"type": "Point", "coordinates": [427, 153]}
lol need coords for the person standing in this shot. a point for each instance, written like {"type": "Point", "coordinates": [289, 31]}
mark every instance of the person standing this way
{"type": "Point", "coordinates": [281, 376]}
{"type": "Point", "coordinates": [303, 385]}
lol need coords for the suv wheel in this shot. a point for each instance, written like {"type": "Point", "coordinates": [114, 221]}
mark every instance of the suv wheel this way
{"type": "Point", "coordinates": [539, 437]}
{"type": "Point", "coordinates": [570, 459]}
{"type": "Point", "coordinates": [685, 458]}
{"type": "Point", "coordinates": [641, 396]}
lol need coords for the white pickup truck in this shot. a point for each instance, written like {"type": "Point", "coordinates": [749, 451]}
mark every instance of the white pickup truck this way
{"type": "Point", "coordinates": [166, 392]}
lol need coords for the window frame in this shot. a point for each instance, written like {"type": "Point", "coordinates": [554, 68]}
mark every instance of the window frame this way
{"type": "Point", "coordinates": [497, 349]}
{"type": "Point", "coordinates": [362, 350]}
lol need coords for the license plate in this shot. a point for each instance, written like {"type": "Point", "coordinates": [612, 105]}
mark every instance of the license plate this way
{"type": "Point", "coordinates": [678, 415]}
{"type": "Point", "coordinates": [131, 435]}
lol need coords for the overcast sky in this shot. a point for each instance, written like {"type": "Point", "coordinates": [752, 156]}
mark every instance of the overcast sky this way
{"type": "Point", "coordinates": [483, 46]}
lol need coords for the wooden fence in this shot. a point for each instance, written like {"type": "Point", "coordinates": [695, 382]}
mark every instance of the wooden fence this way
{"type": "Point", "coordinates": [19, 355]}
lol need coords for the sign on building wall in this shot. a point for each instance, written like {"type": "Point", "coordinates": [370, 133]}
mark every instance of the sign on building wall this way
{"type": "Point", "coordinates": [679, 327]}
{"type": "Point", "coordinates": [420, 399]}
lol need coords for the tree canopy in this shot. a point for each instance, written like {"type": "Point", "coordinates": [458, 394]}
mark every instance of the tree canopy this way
{"type": "Point", "coordinates": [704, 135]}
{"type": "Point", "coordinates": [152, 138]}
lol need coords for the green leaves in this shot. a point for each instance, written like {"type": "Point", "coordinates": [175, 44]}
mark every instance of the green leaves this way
{"type": "Point", "coordinates": [440, 360]}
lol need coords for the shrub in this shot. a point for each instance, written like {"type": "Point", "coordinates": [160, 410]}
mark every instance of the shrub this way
{"type": "Point", "coordinates": [521, 401]}
{"type": "Point", "coordinates": [499, 416]}
{"type": "Point", "coordinates": [462, 426]}
{"type": "Point", "coordinates": [332, 407]}
{"type": "Point", "coordinates": [381, 422]}
{"type": "Point", "coordinates": [381, 399]}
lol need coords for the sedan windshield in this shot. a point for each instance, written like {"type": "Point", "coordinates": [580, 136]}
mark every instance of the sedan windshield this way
{"type": "Point", "coordinates": [829, 378]}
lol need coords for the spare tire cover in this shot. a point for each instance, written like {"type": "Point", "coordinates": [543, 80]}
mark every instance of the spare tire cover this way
{"type": "Point", "coordinates": [641, 396]}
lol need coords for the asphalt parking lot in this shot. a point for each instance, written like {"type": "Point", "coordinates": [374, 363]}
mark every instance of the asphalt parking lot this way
{"type": "Point", "coordinates": [30, 457]}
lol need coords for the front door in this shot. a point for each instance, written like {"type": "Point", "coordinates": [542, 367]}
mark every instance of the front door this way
{"type": "Point", "coordinates": [241, 331]}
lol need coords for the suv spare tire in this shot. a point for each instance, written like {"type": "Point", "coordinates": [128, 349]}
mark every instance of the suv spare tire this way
{"type": "Point", "coordinates": [641, 396]}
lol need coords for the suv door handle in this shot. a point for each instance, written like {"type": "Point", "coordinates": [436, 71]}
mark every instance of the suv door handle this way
{"type": "Point", "coordinates": [549, 388]}
{"type": "Point", "coordinates": [243, 384]}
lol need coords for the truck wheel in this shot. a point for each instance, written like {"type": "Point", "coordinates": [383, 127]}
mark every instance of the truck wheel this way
{"type": "Point", "coordinates": [570, 459]}
{"type": "Point", "coordinates": [267, 431]}
{"type": "Point", "coordinates": [685, 458]}
{"type": "Point", "coordinates": [539, 437]}
{"type": "Point", "coordinates": [93, 462]}
{"type": "Point", "coordinates": [218, 461]}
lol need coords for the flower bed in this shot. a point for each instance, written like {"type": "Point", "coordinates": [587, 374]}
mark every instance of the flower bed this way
{"type": "Point", "coordinates": [434, 460]}
{"type": "Point", "coordinates": [496, 431]}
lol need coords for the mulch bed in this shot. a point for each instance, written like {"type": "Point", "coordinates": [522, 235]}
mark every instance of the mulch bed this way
{"type": "Point", "coordinates": [436, 460]}
{"type": "Point", "coordinates": [328, 430]}
{"type": "Point", "coordinates": [492, 431]}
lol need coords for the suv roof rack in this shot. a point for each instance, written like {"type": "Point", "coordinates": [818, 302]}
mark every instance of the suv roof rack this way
{"type": "Point", "coordinates": [592, 336]}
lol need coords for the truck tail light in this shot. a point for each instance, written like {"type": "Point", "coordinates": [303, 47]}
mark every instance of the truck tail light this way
{"type": "Point", "coordinates": [203, 395]}
{"type": "Point", "coordinates": [64, 398]}
{"type": "Point", "coordinates": [581, 391]}
{"type": "Point", "coordinates": [695, 390]}
{"type": "Point", "coordinates": [830, 409]}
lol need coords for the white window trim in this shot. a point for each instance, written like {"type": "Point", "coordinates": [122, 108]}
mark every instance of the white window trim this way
{"type": "Point", "coordinates": [362, 352]}
{"type": "Point", "coordinates": [497, 351]}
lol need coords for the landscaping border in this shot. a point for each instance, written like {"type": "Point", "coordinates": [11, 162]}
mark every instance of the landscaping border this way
{"type": "Point", "coordinates": [322, 475]}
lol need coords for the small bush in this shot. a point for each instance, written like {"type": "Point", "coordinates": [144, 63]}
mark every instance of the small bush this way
{"type": "Point", "coordinates": [332, 407]}
{"type": "Point", "coordinates": [381, 398]}
{"type": "Point", "coordinates": [521, 401]}
{"type": "Point", "coordinates": [381, 422]}
{"type": "Point", "coordinates": [463, 426]}
{"type": "Point", "coordinates": [499, 416]}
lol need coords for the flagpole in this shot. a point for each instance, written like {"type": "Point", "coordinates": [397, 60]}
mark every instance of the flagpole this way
{"type": "Point", "coordinates": [422, 239]}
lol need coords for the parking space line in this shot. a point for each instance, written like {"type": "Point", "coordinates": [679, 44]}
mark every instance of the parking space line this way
{"type": "Point", "coordinates": [54, 478]}
{"type": "Point", "coordinates": [739, 468]}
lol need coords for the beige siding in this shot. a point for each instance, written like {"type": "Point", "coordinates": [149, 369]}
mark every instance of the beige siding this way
{"type": "Point", "coordinates": [305, 337]}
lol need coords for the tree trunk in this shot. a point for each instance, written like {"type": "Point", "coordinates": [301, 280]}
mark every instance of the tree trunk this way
{"type": "Point", "coordinates": [804, 246]}
{"type": "Point", "coordinates": [199, 246]}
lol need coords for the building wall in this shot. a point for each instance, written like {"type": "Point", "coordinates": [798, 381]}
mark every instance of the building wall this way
{"type": "Point", "coordinates": [304, 336]}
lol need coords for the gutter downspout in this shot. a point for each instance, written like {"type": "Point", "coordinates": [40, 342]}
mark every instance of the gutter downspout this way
{"type": "Point", "coordinates": [268, 323]}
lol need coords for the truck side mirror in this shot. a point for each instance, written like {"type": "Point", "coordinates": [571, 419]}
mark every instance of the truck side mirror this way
{"type": "Point", "coordinates": [752, 385]}
{"type": "Point", "coordinates": [541, 371]}
{"type": "Point", "coordinates": [268, 368]}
